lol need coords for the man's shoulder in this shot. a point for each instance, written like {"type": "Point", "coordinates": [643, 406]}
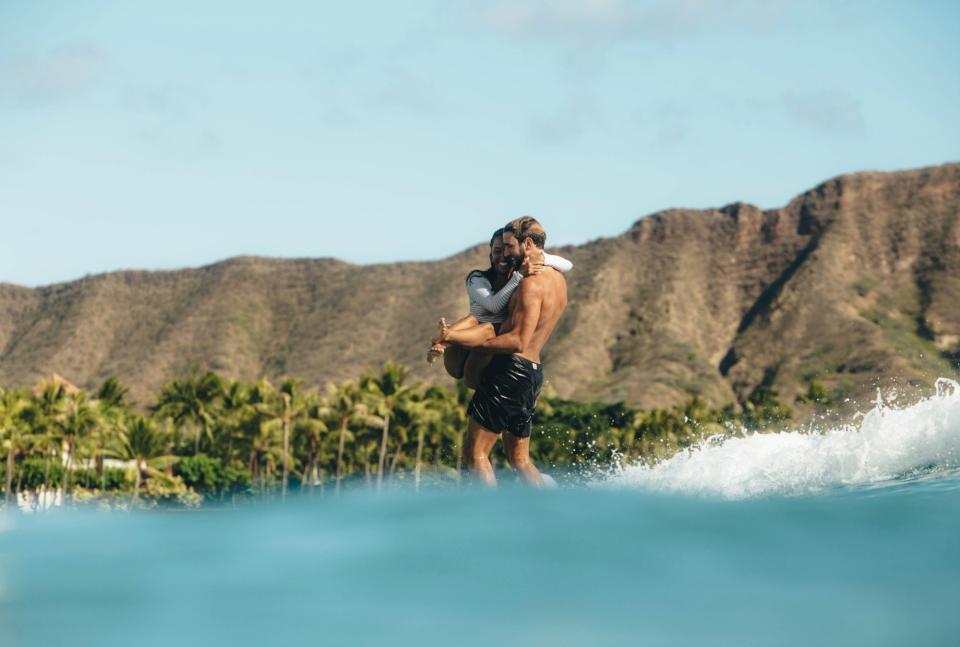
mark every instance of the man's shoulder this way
{"type": "Point", "coordinates": [549, 279]}
{"type": "Point", "coordinates": [532, 284]}
{"type": "Point", "coordinates": [547, 285]}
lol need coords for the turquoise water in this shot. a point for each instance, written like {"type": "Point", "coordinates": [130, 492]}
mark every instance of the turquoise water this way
{"type": "Point", "coordinates": [848, 537]}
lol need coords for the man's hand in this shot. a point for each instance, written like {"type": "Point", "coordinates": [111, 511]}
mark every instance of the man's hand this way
{"type": "Point", "coordinates": [532, 263]}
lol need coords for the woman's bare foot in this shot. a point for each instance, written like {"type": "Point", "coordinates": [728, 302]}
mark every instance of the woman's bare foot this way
{"type": "Point", "coordinates": [438, 345]}
{"type": "Point", "coordinates": [444, 331]}
{"type": "Point", "coordinates": [435, 353]}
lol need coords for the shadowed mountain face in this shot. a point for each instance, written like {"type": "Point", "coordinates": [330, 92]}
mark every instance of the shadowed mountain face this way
{"type": "Point", "coordinates": [854, 281]}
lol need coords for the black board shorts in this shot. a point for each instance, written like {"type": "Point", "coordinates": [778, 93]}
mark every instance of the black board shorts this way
{"type": "Point", "coordinates": [507, 395]}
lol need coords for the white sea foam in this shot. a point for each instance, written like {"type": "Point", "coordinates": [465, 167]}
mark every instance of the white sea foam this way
{"type": "Point", "coordinates": [887, 443]}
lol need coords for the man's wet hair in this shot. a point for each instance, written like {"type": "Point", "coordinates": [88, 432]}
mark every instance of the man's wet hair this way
{"type": "Point", "coordinates": [527, 227]}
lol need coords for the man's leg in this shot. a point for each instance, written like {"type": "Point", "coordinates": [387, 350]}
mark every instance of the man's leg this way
{"type": "Point", "coordinates": [480, 442]}
{"type": "Point", "coordinates": [518, 453]}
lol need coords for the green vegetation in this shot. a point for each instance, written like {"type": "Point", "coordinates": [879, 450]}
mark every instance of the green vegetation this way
{"type": "Point", "coordinates": [207, 439]}
{"type": "Point", "coordinates": [816, 395]}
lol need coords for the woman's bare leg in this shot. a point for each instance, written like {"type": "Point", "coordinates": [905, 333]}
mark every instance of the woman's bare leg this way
{"type": "Point", "coordinates": [475, 335]}
{"type": "Point", "coordinates": [454, 363]}
{"type": "Point", "coordinates": [466, 322]}
{"type": "Point", "coordinates": [473, 368]}
{"type": "Point", "coordinates": [455, 360]}
{"type": "Point", "coordinates": [475, 362]}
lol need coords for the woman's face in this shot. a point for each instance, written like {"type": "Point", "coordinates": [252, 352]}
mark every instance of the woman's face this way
{"type": "Point", "coordinates": [497, 261]}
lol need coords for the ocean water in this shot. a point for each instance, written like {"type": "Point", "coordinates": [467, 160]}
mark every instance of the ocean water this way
{"type": "Point", "coordinates": [847, 537]}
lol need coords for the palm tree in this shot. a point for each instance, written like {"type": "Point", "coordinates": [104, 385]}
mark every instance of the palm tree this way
{"type": "Point", "coordinates": [311, 430]}
{"type": "Point", "coordinates": [147, 448]}
{"type": "Point", "coordinates": [458, 416]}
{"type": "Point", "coordinates": [234, 410]}
{"type": "Point", "coordinates": [402, 424]}
{"type": "Point", "coordinates": [44, 416]}
{"type": "Point", "coordinates": [191, 400]}
{"type": "Point", "coordinates": [264, 428]}
{"type": "Point", "coordinates": [386, 391]}
{"type": "Point", "coordinates": [277, 410]}
{"type": "Point", "coordinates": [421, 412]}
{"type": "Point", "coordinates": [111, 413]}
{"type": "Point", "coordinates": [265, 452]}
{"type": "Point", "coordinates": [79, 420]}
{"type": "Point", "coordinates": [441, 429]}
{"type": "Point", "coordinates": [438, 415]}
{"type": "Point", "coordinates": [13, 435]}
{"type": "Point", "coordinates": [292, 401]}
{"type": "Point", "coordinates": [344, 404]}
{"type": "Point", "coordinates": [366, 449]}
{"type": "Point", "coordinates": [112, 393]}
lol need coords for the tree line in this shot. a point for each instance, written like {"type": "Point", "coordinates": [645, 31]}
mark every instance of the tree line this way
{"type": "Point", "coordinates": [207, 438]}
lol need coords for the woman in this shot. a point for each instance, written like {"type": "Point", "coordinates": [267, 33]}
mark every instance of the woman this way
{"type": "Point", "coordinates": [489, 292]}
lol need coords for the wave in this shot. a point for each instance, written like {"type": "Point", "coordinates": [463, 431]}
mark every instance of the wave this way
{"type": "Point", "coordinates": [887, 444]}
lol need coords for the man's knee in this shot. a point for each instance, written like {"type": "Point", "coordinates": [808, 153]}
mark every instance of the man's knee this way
{"type": "Point", "coordinates": [519, 462]}
{"type": "Point", "coordinates": [477, 454]}
{"type": "Point", "coordinates": [480, 442]}
{"type": "Point", "coordinates": [518, 455]}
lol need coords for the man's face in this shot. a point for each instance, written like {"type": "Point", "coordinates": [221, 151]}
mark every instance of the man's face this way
{"type": "Point", "coordinates": [512, 249]}
{"type": "Point", "coordinates": [500, 263]}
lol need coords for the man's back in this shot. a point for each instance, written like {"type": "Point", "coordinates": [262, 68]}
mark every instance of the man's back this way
{"type": "Point", "coordinates": [550, 288]}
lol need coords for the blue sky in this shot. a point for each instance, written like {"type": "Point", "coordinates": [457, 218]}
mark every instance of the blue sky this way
{"type": "Point", "coordinates": [171, 134]}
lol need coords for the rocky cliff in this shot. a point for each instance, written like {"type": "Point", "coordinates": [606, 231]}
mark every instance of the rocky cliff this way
{"type": "Point", "coordinates": [854, 281]}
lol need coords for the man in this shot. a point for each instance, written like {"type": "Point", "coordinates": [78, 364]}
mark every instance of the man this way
{"type": "Point", "coordinates": [505, 400]}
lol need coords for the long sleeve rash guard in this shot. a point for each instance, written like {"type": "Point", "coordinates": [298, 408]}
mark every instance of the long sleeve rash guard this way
{"type": "Point", "coordinates": [491, 307]}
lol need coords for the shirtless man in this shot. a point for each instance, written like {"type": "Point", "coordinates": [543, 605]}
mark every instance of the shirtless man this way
{"type": "Point", "coordinates": [507, 395]}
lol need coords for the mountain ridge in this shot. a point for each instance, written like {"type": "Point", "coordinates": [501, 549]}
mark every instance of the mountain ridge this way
{"type": "Point", "coordinates": [854, 280]}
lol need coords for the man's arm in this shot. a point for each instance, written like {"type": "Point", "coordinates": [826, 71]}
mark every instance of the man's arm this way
{"type": "Point", "coordinates": [526, 316]}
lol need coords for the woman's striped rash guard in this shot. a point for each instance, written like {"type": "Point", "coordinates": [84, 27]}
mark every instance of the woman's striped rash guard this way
{"type": "Point", "coordinates": [491, 307]}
